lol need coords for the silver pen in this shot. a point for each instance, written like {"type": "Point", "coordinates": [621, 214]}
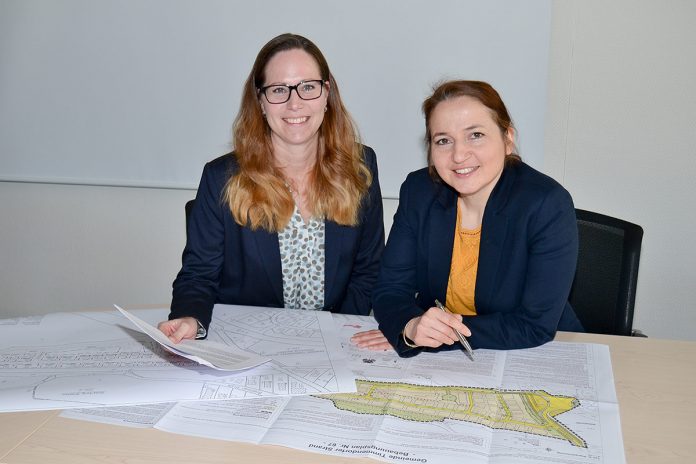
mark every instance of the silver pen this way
{"type": "Point", "coordinates": [461, 337]}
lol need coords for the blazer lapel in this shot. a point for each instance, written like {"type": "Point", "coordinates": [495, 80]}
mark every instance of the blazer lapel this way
{"type": "Point", "coordinates": [443, 218]}
{"type": "Point", "coordinates": [332, 252]}
{"type": "Point", "coordinates": [269, 252]}
{"type": "Point", "coordinates": [494, 230]}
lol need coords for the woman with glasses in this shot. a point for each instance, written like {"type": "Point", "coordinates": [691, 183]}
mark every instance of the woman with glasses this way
{"type": "Point", "coordinates": [480, 231]}
{"type": "Point", "coordinates": [293, 216]}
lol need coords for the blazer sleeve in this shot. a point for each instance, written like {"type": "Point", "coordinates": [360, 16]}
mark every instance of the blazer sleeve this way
{"type": "Point", "coordinates": [545, 280]}
{"type": "Point", "coordinates": [365, 266]}
{"type": "Point", "coordinates": [196, 285]}
{"type": "Point", "coordinates": [394, 295]}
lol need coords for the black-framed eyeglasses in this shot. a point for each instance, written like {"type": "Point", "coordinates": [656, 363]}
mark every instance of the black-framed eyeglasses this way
{"type": "Point", "coordinates": [280, 93]}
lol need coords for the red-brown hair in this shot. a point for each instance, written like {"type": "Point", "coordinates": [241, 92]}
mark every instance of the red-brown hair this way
{"type": "Point", "coordinates": [481, 91]}
{"type": "Point", "coordinates": [256, 194]}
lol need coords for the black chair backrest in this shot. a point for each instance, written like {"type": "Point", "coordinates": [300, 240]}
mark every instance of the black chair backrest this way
{"type": "Point", "coordinates": [603, 294]}
{"type": "Point", "coordinates": [187, 209]}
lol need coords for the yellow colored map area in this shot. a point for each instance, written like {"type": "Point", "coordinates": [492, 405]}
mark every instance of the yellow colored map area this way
{"type": "Point", "coordinates": [528, 411]}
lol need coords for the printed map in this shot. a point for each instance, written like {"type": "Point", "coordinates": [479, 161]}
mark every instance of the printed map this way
{"type": "Point", "coordinates": [523, 411]}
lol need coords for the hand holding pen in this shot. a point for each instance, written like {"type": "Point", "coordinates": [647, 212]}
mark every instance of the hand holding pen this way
{"type": "Point", "coordinates": [462, 340]}
{"type": "Point", "coordinates": [434, 329]}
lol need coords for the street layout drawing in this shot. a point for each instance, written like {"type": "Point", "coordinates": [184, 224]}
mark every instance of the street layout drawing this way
{"type": "Point", "coordinates": [78, 360]}
{"type": "Point", "coordinates": [554, 404]}
{"type": "Point", "coordinates": [532, 412]}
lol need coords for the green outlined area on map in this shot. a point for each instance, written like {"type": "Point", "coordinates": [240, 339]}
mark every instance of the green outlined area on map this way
{"type": "Point", "coordinates": [527, 411]}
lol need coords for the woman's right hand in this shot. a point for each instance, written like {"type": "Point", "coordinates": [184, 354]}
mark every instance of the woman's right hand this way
{"type": "Point", "coordinates": [179, 329]}
{"type": "Point", "coordinates": [435, 328]}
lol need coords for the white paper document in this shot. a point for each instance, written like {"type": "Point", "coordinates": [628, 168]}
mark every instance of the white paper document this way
{"type": "Point", "coordinates": [553, 404]}
{"type": "Point", "coordinates": [78, 360]}
{"type": "Point", "coordinates": [206, 352]}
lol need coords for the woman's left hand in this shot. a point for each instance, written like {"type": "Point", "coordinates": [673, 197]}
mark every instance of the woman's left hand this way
{"type": "Point", "coordinates": [372, 340]}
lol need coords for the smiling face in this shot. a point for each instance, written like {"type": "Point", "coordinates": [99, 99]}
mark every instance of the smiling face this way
{"type": "Point", "coordinates": [467, 148]}
{"type": "Point", "coordinates": [295, 123]}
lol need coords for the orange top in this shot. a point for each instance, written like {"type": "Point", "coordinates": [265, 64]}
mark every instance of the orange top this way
{"type": "Point", "coordinates": [461, 285]}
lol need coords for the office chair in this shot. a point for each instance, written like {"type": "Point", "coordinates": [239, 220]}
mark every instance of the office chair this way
{"type": "Point", "coordinates": [604, 290]}
{"type": "Point", "coordinates": [187, 209]}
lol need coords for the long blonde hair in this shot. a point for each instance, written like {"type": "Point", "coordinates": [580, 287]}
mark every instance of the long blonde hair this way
{"type": "Point", "coordinates": [257, 195]}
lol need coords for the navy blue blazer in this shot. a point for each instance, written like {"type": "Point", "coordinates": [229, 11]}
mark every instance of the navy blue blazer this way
{"type": "Point", "coordinates": [527, 260]}
{"type": "Point", "coordinates": [224, 262]}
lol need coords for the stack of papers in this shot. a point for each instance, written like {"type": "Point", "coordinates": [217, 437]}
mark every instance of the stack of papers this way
{"type": "Point", "coordinates": [95, 359]}
{"type": "Point", "coordinates": [206, 352]}
{"type": "Point", "coordinates": [551, 404]}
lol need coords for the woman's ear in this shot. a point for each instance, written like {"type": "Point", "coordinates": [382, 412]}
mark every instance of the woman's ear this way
{"type": "Point", "coordinates": [509, 140]}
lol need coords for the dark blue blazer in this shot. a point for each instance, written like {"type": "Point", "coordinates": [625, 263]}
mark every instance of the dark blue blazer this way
{"type": "Point", "coordinates": [527, 259]}
{"type": "Point", "coordinates": [224, 262]}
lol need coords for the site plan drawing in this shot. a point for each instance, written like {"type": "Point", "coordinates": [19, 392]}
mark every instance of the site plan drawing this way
{"type": "Point", "coordinates": [77, 360]}
{"type": "Point", "coordinates": [551, 404]}
{"type": "Point", "coordinates": [530, 412]}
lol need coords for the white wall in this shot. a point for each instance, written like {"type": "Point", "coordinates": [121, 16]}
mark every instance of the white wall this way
{"type": "Point", "coordinates": [70, 247]}
{"type": "Point", "coordinates": [620, 129]}
{"type": "Point", "coordinates": [142, 93]}
{"type": "Point", "coordinates": [75, 247]}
